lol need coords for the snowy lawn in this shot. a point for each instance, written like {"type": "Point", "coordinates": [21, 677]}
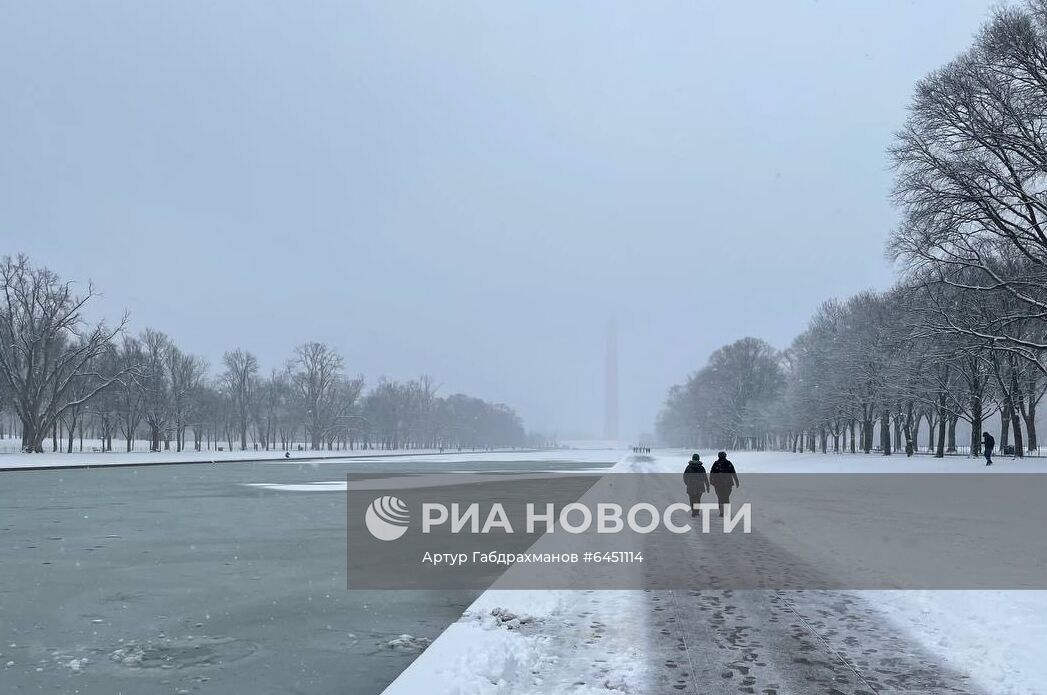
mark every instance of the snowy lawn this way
{"type": "Point", "coordinates": [16, 461]}
{"type": "Point", "coordinates": [541, 641]}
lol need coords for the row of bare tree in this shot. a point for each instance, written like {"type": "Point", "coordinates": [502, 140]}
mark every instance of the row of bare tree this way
{"type": "Point", "coordinates": [65, 377]}
{"type": "Point", "coordinates": [866, 375]}
{"type": "Point", "coordinates": [963, 335]}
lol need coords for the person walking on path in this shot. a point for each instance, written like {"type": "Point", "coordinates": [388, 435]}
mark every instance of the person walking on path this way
{"type": "Point", "coordinates": [988, 444]}
{"type": "Point", "coordinates": [697, 482]}
{"type": "Point", "coordinates": [723, 478]}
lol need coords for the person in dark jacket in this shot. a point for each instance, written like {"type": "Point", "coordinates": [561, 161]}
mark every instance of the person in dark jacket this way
{"type": "Point", "coordinates": [723, 478]}
{"type": "Point", "coordinates": [697, 482]}
{"type": "Point", "coordinates": [988, 444]}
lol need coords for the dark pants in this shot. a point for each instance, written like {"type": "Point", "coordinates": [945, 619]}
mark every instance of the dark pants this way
{"type": "Point", "coordinates": [695, 498]}
{"type": "Point", "coordinates": [988, 454]}
{"type": "Point", "coordinates": [723, 496]}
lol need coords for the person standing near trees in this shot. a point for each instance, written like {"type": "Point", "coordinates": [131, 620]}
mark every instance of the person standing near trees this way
{"type": "Point", "coordinates": [988, 444]}
{"type": "Point", "coordinates": [697, 482]}
{"type": "Point", "coordinates": [724, 479]}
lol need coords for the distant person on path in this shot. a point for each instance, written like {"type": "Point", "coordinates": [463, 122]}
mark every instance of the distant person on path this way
{"type": "Point", "coordinates": [988, 444]}
{"type": "Point", "coordinates": [697, 482]}
{"type": "Point", "coordinates": [724, 478]}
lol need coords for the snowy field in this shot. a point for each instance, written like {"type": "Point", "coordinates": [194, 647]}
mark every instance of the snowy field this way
{"type": "Point", "coordinates": [673, 461]}
{"type": "Point", "coordinates": [16, 461]}
{"type": "Point", "coordinates": [586, 642]}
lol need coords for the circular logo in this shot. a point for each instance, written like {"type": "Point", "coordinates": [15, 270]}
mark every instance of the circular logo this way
{"type": "Point", "coordinates": [387, 518]}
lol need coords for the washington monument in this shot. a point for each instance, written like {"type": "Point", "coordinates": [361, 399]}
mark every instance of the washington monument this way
{"type": "Point", "coordinates": [610, 422]}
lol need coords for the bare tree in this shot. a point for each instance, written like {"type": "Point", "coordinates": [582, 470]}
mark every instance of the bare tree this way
{"type": "Point", "coordinates": [47, 348]}
{"type": "Point", "coordinates": [53, 366]}
{"type": "Point", "coordinates": [185, 374]}
{"type": "Point", "coordinates": [129, 391]}
{"type": "Point", "coordinates": [971, 168]}
{"type": "Point", "coordinates": [240, 380]}
{"type": "Point", "coordinates": [731, 400]}
{"type": "Point", "coordinates": [270, 407]}
{"type": "Point", "coordinates": [315, 377]}
{"type": "Point", "coordinates": [156, 385]}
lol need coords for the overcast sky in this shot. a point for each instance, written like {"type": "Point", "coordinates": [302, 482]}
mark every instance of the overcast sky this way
{"type": "Point", "coordinates": [468, 190]}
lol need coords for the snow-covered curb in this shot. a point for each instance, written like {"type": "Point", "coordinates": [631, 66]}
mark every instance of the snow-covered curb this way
{"type": "Point", "coordinates": [535, 641]}
{"type": "Point", "coordinates": [551, 641]}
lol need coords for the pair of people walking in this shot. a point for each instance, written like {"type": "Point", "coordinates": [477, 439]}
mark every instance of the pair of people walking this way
{"type": "Point", "coordinates": [722, 478]}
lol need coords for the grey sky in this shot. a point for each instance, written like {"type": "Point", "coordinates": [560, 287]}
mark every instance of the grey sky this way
{"type": "Point", "coordinates": [465, 189]}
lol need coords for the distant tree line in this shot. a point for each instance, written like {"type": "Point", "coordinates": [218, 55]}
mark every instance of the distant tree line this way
{"type": "Point", "coordinates": [963, 334]}
{"type": "Point", "coordinates": [66, 378]}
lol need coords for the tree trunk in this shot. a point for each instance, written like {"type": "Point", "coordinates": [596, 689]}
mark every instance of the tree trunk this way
{"type": "Point", "coordinates": [1029, 415]}
{"type": "Point", "coordinates": [885, 432]}
{"type": "Point", "coordinates": [1005, 425]}
{"type": "Point", "coordinates": [32, 437]}
{"type": "Point", "coordinates": [976, 426]}
{"type": "Point", "coordinates": [942, 428]}
{"type": "Point", "coordinates": [932, 429]}
{"type": "Point", "coordinates": [867, 432]}
{"type": "Point", "coordinates": [1019, 450]}
{"type": "Point", "coordinates": [70, 435]}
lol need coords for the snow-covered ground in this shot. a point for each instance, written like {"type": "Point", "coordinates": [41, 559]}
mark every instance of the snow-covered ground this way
{"type": "Point", "coordinates": [998, 637]}
{"type": "Point", "coordinates": [583, 642]}
{"type": "Point", "coordinates": [673, 461]}
{"type": "Point", "coordinates": [588, 642]}
{"type": "Point", "coordinates": [13, 445]}
{"type": "Point", "coordinates": [553, 456]}
{"type": "Point", "coordinates": [15, 461]}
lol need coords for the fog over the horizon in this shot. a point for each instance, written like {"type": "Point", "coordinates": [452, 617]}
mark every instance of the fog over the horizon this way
{"type": "Point", "coordinates": [468, 190]}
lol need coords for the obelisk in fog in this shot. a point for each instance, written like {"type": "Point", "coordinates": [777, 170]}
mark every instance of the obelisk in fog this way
{"type": "Point", "coordinates": [610, 423]}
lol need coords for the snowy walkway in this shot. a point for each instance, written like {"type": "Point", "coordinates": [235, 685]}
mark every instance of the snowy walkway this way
{"type": "Point", "coordinates": [765, 642]}
{"type": "Point", "coordinates": [778, 642]}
